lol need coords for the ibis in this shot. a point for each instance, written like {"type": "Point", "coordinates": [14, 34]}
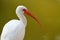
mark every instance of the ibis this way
{"type": "Point", "coordinates": [15, 29]}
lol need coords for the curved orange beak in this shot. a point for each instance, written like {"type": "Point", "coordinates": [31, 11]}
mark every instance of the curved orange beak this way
{"type": "Point", "coordinates": [28, 13]}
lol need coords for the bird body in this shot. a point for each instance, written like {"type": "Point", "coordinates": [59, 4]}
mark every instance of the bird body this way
{"type": "Point", "coordinates": [13, 30]}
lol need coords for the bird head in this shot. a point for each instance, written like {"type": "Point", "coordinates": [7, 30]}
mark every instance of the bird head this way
{"type": "Point", "coordinates": [23, 10]}
{"type": "Point", "coordinates": [20, 9]}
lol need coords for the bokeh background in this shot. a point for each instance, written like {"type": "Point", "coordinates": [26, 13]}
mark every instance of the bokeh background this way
{"type": "Point", "coordinates": [47, 11]}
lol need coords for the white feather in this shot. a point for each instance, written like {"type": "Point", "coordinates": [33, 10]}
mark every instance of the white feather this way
{"type": "Point", "coordinates": [13, 30]}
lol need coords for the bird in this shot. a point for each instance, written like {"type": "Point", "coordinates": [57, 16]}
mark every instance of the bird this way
{"type": "Point", "coordinates": [15, 29]}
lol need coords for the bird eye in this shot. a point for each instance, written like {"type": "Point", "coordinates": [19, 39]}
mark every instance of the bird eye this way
{"type": "Point", "coordinates": [24, 9]}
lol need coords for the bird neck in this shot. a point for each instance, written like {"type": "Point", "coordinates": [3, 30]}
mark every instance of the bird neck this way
{"type": "Point", "coordinates": [22, 18]}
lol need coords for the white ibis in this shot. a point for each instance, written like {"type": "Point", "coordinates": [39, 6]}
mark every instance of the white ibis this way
{"type": "Point", "coordinates": [15, 29]}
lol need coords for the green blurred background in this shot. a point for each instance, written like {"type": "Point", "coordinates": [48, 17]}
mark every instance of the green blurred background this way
{"type": "Point", "coordinates": [47, 11]}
